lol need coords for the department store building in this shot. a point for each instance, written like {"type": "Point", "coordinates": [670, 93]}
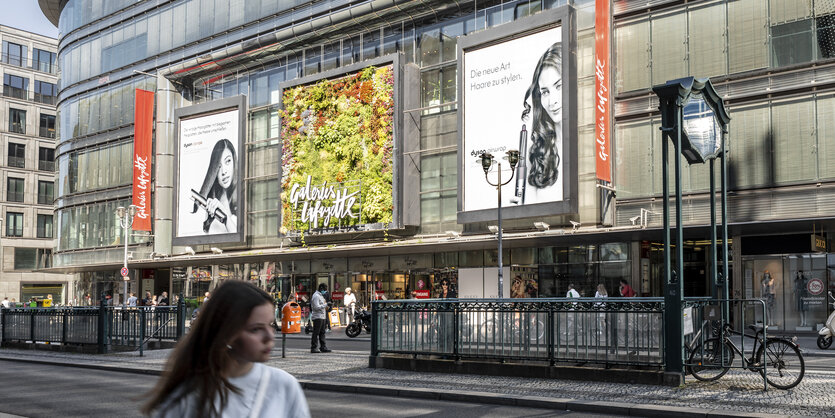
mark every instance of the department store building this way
{"type": "Point", "coordinates": [301, 142]}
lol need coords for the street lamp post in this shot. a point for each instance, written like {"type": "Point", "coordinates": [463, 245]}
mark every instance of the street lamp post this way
{"type": "Point", "coordinates": [487, 161]}
{"type": "Point", "coordinates": [695, 120]}
{"type": "Point", "coordinates": [126, 221]}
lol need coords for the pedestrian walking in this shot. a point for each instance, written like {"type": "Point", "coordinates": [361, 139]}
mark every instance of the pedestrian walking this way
{"type": "Point", "coordinates": [602, 319]}
{"type": "Point", "coordinates": [5, 302]}
{"type": "Point", "coordinates": [132, 300]}
{"type": "Point", "coordinates": [572, 329]}
{"type": "Point", "coordinates": [217, 370]}
{"type": "Point", "coordinates": [318, 314]}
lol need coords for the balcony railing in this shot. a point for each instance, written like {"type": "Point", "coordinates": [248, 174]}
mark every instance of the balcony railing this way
{"type": "Point", "coordinates": [47, 132]}
{"type": "Point", "coordinates": [44, 165]}
{"type": "Point", "coordinates": [17, 162]}
{"type": "Point", "coordinates": [14, 196]}
{"type": "Point", "coordinates": [15, 92]}
{"type": "Point", "coordinates": [17, 127]}
{"type": "Point", "coordinates": [36, 65]}
{"type": "Point", "coordinates": [45, 199]}
{"type": "Point", "coordinates": [18, 93]}
{"type": "Point", "coordinates": [45, 99]}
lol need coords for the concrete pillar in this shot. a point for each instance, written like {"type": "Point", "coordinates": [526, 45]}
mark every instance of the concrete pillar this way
{"type": "Point", "coordinates": [168, 99]}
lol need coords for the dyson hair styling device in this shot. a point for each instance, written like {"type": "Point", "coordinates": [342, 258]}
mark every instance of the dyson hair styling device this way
{"type": "Point", "coordinates": [521, 168]}
{"type": "Point", "coordinates": [203, 203]}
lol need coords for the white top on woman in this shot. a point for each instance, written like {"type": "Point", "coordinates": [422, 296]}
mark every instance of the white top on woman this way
{"type": "Point", "coordinates": [349, 300]}
{"type": "Point", "coordinates": [284, 397]}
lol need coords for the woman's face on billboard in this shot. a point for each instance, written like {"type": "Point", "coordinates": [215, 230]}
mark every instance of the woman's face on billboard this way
{"type": "Point", "coordinates": [550, 93]}
{"type": "Point", "coordinates": [227, 169]}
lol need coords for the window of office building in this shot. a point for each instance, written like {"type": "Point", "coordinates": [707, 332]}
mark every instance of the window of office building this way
{"type": "Point", "coordinates": [825, 23]}
{"type": "Point", "coordinates": [791, 41]}
{"type": "Point", "coordinates": [15, 86]}
{"type": "Point", "coordinates": [100, 168]}
{"type": "Point", "coordinates": [45, 92]}
{"type": "Point", "coordinates": [438, 173]}
{"type": "Point", "coordinates": [14, 224]}
{"type": "Point", "coordinates": [14, 54]}
{"type": "Point", "coordinates": [14, 189]}
{"type": "Point", "coordinates": [17, 121]}
{"type": "Point", "coordinates": [46, 159]}
{"type": "Point", "coordinates": [92, 226]}
{"type": "Point", "coordinates": [17, 155]}
{"type": "Point", "coordinates": [45, 226]}
{"type": "Point", "coordinates": [742, 35]}
{"type": "Point", "coordinates": [45, 192]}
{"type": "Point", "coordinates": [46, 128]}
{"type": "Point", "coordinates": [43, 60]}
{"type": "Point", "coordinates": [32, 258]}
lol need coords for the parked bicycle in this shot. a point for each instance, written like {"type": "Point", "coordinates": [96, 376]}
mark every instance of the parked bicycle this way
{"type": "Point", "coordinates": [783, 363]}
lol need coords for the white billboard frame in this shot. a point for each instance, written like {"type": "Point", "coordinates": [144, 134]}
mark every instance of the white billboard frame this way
{"type": "Point", "coordinates": [493, 98]}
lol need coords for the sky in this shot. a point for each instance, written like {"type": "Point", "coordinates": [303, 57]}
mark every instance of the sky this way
{"type": "Point", "coordinates": [26, 15]}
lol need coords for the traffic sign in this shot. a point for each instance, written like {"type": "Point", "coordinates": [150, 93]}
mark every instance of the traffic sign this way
{"type": "Point", "coordinates": [124, 271]}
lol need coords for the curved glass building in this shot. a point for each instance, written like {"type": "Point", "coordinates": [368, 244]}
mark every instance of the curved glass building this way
{"type": "Point", "coordinates": [386, 197]}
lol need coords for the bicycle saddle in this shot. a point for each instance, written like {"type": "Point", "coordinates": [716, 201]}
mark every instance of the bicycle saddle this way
{"type": "Point", "coordinates": [755, 328]}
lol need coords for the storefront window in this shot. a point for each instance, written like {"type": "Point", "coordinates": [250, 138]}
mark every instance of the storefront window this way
{"type": "Point", "coordinates": [792, 288]}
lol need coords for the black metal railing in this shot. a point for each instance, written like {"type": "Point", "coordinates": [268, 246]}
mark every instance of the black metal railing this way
{"type": "Point", "coordinates": [574, 330]}
{"type": "Point", "coordinates": [107, 327]}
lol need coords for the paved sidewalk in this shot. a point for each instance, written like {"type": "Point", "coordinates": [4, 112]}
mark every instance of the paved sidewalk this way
{"type": "Point", "coordinates": [737, 394]}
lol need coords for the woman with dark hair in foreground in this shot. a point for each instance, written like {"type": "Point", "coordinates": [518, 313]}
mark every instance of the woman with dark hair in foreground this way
{"type": "Point", "coordinates": [217, 370]}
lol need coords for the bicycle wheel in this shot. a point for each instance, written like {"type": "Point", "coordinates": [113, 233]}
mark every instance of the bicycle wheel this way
{"type": "Point", "coordinates": [709, 362]}
{"type": "Point", "coordinates": [784, 363]}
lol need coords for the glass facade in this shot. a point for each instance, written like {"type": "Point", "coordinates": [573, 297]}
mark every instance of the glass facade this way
{"type": "Point", "coordinates": [780, 139]}
{"type": "Point", "coordinates": [719, 38]}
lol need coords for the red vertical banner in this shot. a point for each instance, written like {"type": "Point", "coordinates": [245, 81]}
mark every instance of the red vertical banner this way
{"type": "Point", "coordinates": [142, 130]}
{"type": "Point", "coordinates": [602, 65]}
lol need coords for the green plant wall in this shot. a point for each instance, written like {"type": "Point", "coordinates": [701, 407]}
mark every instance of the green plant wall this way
{"type": "Point", "coordinates": [336, 131]}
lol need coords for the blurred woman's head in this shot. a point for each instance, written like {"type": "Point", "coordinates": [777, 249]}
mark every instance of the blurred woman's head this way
{"type": "Point", "coordinates": [233, 328]}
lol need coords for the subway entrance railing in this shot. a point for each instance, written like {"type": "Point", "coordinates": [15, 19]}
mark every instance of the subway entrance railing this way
{"type": "Point", "coordinates": [616, 331]}
{"type": "Point", "coordinates": [105, 328]}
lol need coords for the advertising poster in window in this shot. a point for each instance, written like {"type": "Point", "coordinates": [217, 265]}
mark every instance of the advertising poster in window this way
{"type": "Point", "coordinates": [516, 94]}
{"type": "Point", "coordinates": [209, 180]}
{"type": "Point", "coordinates": [337, 165]}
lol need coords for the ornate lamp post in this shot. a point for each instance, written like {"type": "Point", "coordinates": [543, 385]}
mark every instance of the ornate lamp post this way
{"type": "Point", "coordinates": [126, 221]}
{"type": "Point", "coordinates": [693, 116]}
{"type": "Point", "coordinates": [487, 161]}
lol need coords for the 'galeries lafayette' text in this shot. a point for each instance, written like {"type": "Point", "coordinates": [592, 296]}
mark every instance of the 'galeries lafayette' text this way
{"type": "Point", "coordinates": [314, 207]}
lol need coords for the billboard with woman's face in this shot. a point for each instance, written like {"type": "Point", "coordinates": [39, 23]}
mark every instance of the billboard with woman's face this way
{"type": "Point", "coordinates": [516, 94]}
{"type": "Point", "coordinates": [209, 183]}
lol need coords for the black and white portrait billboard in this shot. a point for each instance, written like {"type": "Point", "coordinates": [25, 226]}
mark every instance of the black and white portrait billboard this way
{"type": "Point", "coordinates": [517, 89]}
{"type": "Point", "coordinates": [209, 179]}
